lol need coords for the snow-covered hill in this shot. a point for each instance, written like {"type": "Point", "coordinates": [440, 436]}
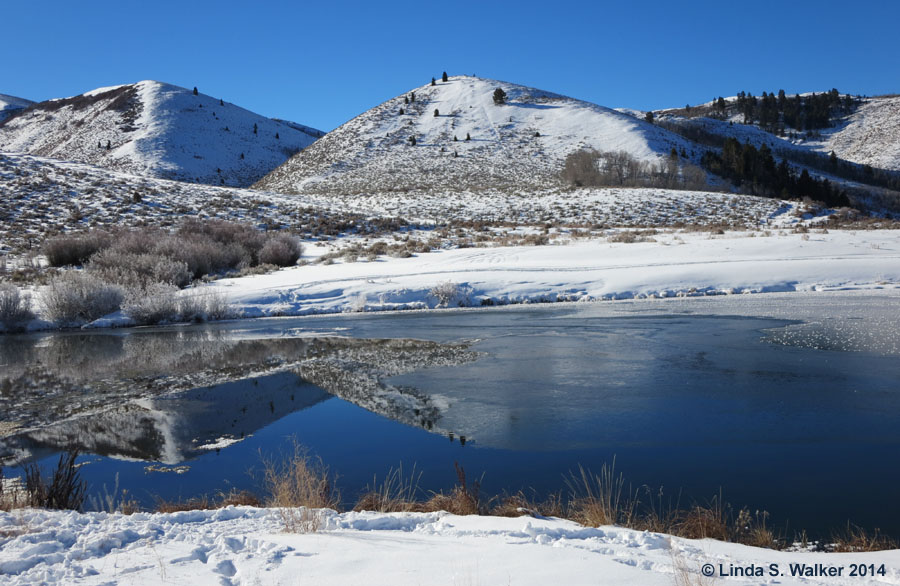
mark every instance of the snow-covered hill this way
{"type": "Point", "coordinates": [10, 105]}
{"type": "Point", "coordinates": [158, 130]}
{"type": "Point", "coordinates": [519, 145]}
{"type": "Point", "coordinates": [869, 135]}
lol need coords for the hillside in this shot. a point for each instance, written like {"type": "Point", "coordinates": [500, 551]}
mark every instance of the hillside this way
{"type": "Point", "coordinates": [866, 131]}
{"type": "Point", "coordinates": [519, 145]}
{"type": "Point", "coordinates": [157, 130]}
{"type": "Point", "coordinates": [11, 105]}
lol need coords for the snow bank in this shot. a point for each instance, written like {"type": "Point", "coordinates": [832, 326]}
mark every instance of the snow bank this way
{"type": "Point", "coordinates": [248, 546]}
{"type": "Point", "coordinates": [672, 265]}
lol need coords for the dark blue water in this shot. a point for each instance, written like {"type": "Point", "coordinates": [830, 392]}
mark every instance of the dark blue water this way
{"type": "Point", "coordinates": [691, 403]}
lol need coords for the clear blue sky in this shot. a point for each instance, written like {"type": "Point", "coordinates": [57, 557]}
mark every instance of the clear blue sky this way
{"type": "Point", "coordinates": [321, 63]}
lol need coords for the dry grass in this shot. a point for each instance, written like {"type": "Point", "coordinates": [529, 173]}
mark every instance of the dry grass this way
{"type": "Point", "coordinates": [853, 539]}
{"type": "Point", "coordinates": [395, 494]}
{"type": "Point", "coordinates": [685, 573]}
{"type": "Point", "coordinates": [461, 500]}
{"type": "Point", "coordinates": [200, 503]}
{"type": "Point", "coordinates": [519, 504]}
{"type": "Point", "coordinates": [63, 491]}
{"type": "Point", "coordinates": [600, 499]}
{"type": "Point", "coordinates": [297, 484]}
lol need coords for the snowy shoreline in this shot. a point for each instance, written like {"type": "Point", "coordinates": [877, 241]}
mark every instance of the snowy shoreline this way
{"type": "Point", "coordinates": [246, 545]}
{"type": "Point", "coordinates": [673, 264]}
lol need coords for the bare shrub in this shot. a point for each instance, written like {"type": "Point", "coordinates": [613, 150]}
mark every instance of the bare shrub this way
{"type": "Point", "coordinates": [200, 305]}
{"type": "Point", "coordinates": [74, 249]}
{"type": "Point", "coordinates": [296, 485]}
{"type": "Point", "coordinates": [77, 297]}
{"type": "Point", "coordinates": [448, 293]}
{"type": "Point", "coordinates": [152, 303]}
{"type": "Point", "coordinates": [65, 489]}
{"type": "Point", "coordinates": [590, 168]}
{"type": "Point", "coordinates": [281, 250]}
{"type": "Point", "coordinates": [15, 308]}
{"type": "Point", "coordinates": [131, 269]}
{"type": "Point", "coordinates": [202, 255]}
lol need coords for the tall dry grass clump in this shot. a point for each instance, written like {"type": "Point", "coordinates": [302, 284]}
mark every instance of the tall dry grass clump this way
{"type": "Point", "coordinates": [395, 494]}
{"type": "Point", "coordinates": [297, 484]}
{"type": "Point", "coordinates": [64, 490]}
{"type": "Point", "coordinates": [600, 499]}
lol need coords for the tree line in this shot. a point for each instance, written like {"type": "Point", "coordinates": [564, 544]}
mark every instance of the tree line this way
{"type": "Point", "coordinates": [755, 171]}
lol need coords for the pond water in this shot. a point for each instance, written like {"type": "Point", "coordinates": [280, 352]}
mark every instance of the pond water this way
{"type": "Point", "coordinates": [798, 417]}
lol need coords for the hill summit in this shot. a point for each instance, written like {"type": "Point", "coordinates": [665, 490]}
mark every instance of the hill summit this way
{"type": "Point", "coordinates": [454, 136]}
{"type": "Point", "coordinates": [158, 130]}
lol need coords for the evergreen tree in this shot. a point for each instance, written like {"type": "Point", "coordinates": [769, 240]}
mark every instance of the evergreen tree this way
{"type": "Point", "coordinates": [108, 145]}
{"type": "Point", "coordinates": [277, 137]}
{"type": "Point", "coordinates": [255, 129]}
{"type": "Point", "coordinates": [412, 96]}
{"type": "Point", "coordinates": [402, 112]}
{"type": "Point", "coordinates": [221, 103]}
{"type": "Point", "coordinates": [649, 117]}
{"type": "Point", "coordinates": [412, 141]}
{"type": "Point", "coordinates": [405, 99]}
{"type": "Point", "coordinates": [499, 96]}
{"type": "Point", "coordinates": [99, 146]}
{"type": "Point", "coordinates": [433, 82]}
{"type": "Point", "coordinates": [196, 93]}
{"type": "Point", "coordinates": [454, 138]}
{"type": "Point", "coordinates": [242, 156]}
{"type": "Point", "coordinates": [444, 77]}
{"type": "Point", "coordinates": [468, 137]}
{"type": "Point", "coordinates": [436, 113]}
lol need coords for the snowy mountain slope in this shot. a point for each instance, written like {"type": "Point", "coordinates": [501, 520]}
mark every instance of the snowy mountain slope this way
{"type": "Point", "coordinates": [157, 130]}
{"type": "Point", "coordinates": [40, 196]}
{"type": "Point", "coordinates": [11, 105]}
{"type": "Point", "coordinates": [870, 135]}
{"type": "Point", "coordinates": [519, 145]}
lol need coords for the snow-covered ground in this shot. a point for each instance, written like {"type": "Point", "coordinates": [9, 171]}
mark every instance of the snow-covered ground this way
{"type": "Point", "coordinates": [672, 264]}
{"type": "Point", "coordinates": [158, 130]}
{"type": "Point", "coordinates": [249, 546]}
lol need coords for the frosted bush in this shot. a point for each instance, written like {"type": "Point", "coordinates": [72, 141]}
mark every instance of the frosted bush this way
{"type": "Point", "coordinates": [76, 297]}
{"type": "Point", "coordinates": [15, 308]}
{"type": "Point", "coordinates": [450, 293]}
{"type": "Point", "coordinates": [281, 250]}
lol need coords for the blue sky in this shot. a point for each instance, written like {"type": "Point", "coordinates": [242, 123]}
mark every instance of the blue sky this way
{"type": "Point", "coordinates": [323, 64]}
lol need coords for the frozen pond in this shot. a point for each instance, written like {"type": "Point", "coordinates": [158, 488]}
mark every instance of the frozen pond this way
{"type": "Point", "coordinates": [788, 403]}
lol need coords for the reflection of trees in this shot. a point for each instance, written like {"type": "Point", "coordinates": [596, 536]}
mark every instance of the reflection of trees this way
{"type": "Point", "coordinates": [352, 369]}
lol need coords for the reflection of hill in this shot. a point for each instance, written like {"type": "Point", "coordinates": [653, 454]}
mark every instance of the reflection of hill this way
{"type": "Point", "coordinates": [172, 429]}
{"type": "Point", "coordinates": [160, 396]}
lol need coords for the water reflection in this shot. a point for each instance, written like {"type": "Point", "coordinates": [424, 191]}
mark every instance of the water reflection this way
{"type": "Point", "coordinates": [169, 396]}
